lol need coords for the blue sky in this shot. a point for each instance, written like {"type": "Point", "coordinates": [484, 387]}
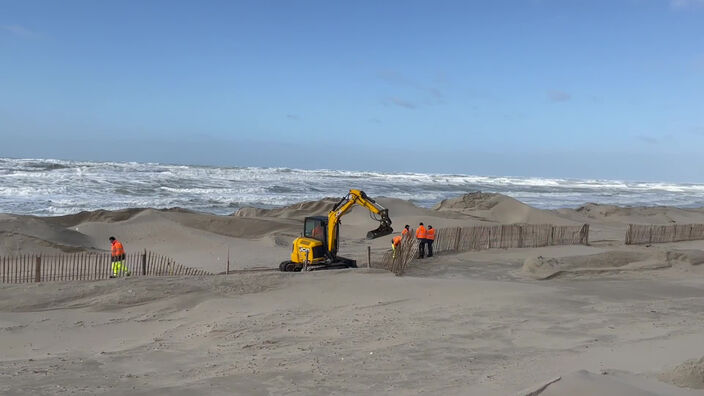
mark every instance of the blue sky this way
{"type": "Point", "coordinates": [597, 89]}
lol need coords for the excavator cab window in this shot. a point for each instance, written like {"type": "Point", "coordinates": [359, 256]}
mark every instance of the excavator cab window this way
{"type": "Point", "coordinates": [314, 228]}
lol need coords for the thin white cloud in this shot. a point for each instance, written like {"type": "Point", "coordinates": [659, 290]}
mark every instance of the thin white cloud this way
{"type": "Point", "coordinates": [647, 139]}
{"type": "Point", "coordinates": [558, 96]}
{"type": "Point", "coordinates": [425, 94]}
{"type": "Point", "coordinates": [293, 116]}
{"type": "Point", "coordinates": [403, 103]}
{"type": "Point", "coordinates": [681, 4]}
{"type": "Point", "coordinates": [698, 63]}
{"type": "Point", "coordinates": [18, 30]}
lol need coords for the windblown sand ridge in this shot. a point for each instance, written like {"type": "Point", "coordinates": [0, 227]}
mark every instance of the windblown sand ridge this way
{"type": "Point", "coordinates": [499, 208]}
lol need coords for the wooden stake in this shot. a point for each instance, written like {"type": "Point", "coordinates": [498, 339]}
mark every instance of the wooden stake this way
{"type": "Point", "coordinates": [38, 270]}
{"type": "Point", "coordinates": [369, 256]}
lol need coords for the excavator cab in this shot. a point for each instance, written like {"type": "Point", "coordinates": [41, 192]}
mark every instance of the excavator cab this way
{"type": "Point", "coordinates": [315, 227]}
{"type": "Point", "coordinates": [309, 249]}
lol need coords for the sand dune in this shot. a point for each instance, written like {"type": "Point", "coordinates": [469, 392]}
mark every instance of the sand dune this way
{"type": "Point", "coordinates": [190, 236]}
{"type": "Point", "coordinates": [103, 216]}
{"type": "Point", "coordinates": [606, 319]}
{"type": "Point", "coordinates": [634, 215]}
{"type": "Point", "coordinates": [255, 237]}
{"type": "Point", "coordinates": [295, 211]}
{"type": "Point", "coordinates": [28, 234]}
{"type": "Point", "coordinates": [500, 209]}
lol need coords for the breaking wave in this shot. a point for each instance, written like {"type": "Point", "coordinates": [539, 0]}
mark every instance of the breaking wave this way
{"type": "Point", "coordinates": [56, 187]}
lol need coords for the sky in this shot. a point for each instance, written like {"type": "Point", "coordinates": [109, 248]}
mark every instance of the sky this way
{"type": "Point", "coordinates": [583, 89]}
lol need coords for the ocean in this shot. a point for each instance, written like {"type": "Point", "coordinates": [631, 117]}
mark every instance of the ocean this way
{"type": "Point", "coordinates": [58, 187]}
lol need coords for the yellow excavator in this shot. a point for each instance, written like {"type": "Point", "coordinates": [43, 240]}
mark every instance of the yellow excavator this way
{"type": "Point", "coordinates": [317, 247]}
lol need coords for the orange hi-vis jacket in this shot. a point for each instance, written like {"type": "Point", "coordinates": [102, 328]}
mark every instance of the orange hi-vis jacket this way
{"type": "Point", "coordinates": [397, 240]}
{"type": "Point", "coordinates": [420, 232]}
{"type": "Point", "coordinates": [430, 234]}
{"type": "Point", "coordinates": [405, 231]}
{"type": "Point", "coordinates": [117, 251]}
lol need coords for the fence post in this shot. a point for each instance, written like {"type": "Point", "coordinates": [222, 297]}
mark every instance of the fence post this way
{"type": "Point", "coordinates": [520, 236]}
{"type": "Point", "coordinates": [144, 263]}
{"type": "Point", "coordinates": [38, 270]}
{"type": "Point", "coordinates": [457, 240]}
{"type": "Point", "coordinates": [650, 234]}
{"type": "Point", "coordinates": [227, 272]}
{"type": "Point", "coordinates": [369, 256]}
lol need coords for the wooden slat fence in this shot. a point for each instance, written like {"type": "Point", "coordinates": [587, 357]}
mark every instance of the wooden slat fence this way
{"type": "Point", "coordinates": [462, 239]}
{"type": "Point", "coordinates": [86, 266]}
{"type": "Point", "coordinates": [638, 234]}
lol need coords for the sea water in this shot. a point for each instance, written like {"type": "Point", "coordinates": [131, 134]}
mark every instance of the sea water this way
{"type": "Point", "coordinates": [57, 187]}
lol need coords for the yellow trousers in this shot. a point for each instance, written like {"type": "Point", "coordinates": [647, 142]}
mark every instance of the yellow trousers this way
{"type": "Point", "coordinates": [119, 268]}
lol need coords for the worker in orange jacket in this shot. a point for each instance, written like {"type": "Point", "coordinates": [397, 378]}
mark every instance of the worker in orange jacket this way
{"type": "Point", "coordinates": [421, 237]}
{"type": "Point", "coordinates": [395, 242]}
{"type": "Point", "coordinates": [318, 232]}
{"type": "Point", "coordinates": [429, 239]}
{"type": "Point", "coordinates": [406, 230]}
{"type": "Point", "coordinates": [117, 257]}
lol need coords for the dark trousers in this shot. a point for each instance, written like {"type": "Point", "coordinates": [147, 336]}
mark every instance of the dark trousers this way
{"type": "Point", "coordinates": [429, 243]}
{"type": "Point", "coordinates": [421, 247]}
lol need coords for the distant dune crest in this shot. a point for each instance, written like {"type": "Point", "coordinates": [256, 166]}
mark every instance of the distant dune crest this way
{"type": "Point", "coordinates": [295, 211]}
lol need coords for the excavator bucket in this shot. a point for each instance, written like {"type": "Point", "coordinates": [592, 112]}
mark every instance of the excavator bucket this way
{"type": "Point", "coordinates": [384, 229]}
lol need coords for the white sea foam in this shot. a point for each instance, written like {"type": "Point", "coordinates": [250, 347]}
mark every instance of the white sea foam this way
{"type": "Point", "coordinates": [54, 187]}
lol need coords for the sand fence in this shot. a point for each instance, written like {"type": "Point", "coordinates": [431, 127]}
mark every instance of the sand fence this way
{"type": "Point", "coordinates": [638, 234]}
{"type": "Point", "coordinates": [86, 266]}
{"type": "Point", "coordinates": [462, 239]}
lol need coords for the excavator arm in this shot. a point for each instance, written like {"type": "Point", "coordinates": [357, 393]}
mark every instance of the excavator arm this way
{"type": "Point", "coordinates": [357, 197]}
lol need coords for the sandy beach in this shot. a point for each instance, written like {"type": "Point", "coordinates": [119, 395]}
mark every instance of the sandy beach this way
{"type": "Point", "coordinates": [608, 318]}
